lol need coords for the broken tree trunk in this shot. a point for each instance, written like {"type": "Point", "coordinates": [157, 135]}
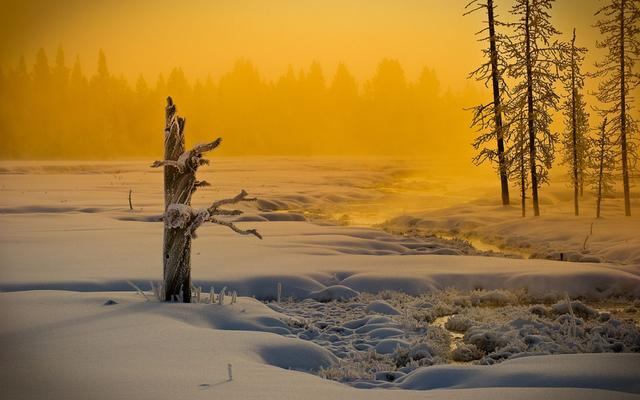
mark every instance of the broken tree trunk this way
{"type": "Point", "coordinates": [177, 190]}
{"type": "Point", "coordinates": [180, 220]}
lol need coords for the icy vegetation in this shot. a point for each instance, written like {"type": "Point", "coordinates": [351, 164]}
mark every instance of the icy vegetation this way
{"type": "Point", "coordinates": [381, 338]}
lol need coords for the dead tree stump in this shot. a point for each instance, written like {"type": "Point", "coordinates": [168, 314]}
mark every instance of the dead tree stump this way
{"type": "Point", "coordinates": [180, 220]}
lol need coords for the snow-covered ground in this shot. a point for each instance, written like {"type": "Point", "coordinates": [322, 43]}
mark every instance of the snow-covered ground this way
{"type": "Point", "coordinates": [69, 243]}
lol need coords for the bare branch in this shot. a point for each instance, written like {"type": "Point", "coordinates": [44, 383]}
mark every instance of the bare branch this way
{"type": "Point", "coordinates": [228, 212]}
{"type": "Point", "coordinates": [201, 184]}
{"type": "Point", "coordinates": [204, 147]}
{"type": "Point", "coordinates": [242, 196]}
{"type": "Point", "coordinates": [235, 228]}
{"type": "Point", "coordinates": [170, 163]}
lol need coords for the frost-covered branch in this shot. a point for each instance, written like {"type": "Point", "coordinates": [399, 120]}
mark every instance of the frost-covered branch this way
{"type": "Point", "coordinates": [242, 196]}
{"type": "Point", "coordinates": [182, 216]}
{"type": "Point", "coordinates": [235, 228]}
{"type": "Point", "coordinates": [190, 160]}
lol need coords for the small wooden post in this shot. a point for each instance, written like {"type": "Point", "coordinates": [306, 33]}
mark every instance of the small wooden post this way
{"type": "Point", "coordinates": [180, 220]}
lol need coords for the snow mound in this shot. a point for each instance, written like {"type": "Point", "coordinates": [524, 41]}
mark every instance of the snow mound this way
{"type": "Point", "coordinates": [297, 355]}
{"type": "Point", "coordinates": [388, 346]}
{"type": "Point", "coordinates": [384, 333]}
{"type": "Point", "coordinates": [282, 216]}
{"type": "Point", "coordinates": [592, 371]}
{"type": "Point", "coordinates": [381, 307]}
{"type": "Point", "coordinates": [336, 292]}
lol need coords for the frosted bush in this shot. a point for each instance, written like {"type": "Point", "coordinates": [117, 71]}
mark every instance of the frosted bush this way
{"type": "Point", "coordinates": [465, 353]}
{"type": "Point", "coordinates": [493, 297]}
{"type": "Point", "coordinates": [498, 325]}
{"type": "Point", "coordinates": [579, 308]}
{"type": "Point", "coordinates": [538, 310]}
{"type": "Point", "coordinates": [458, 323]}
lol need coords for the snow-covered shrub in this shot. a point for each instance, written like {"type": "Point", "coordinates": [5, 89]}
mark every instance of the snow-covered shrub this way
{"type": "Point", "coordinates": [538, 309]}
{"type": "Point", "coordinates": [458, 323]}
{"type": "Point", "coordinates": [373, 347]}
{"type": "Point", "coordinates": [465, 353]}
{"type": "Point", "coordinates": [493, 297]}
{"type": "Point", "coordinates": [578, 308]}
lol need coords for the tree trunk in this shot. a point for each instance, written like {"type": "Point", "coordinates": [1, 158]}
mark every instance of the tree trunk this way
{"type": "Point", "coordinates": [497, 106]}
{"type": "Point", "coordinates": [623, 119]}
{"type": "Point", "coordinates": [530, 116]}
{"type": "Point", "coordinates": [523, 187]}
{"type": "Point", "coordinates": [178, 187]}
{"type": "Point", "coordinates": [602, 142]}
{"type": "Point", "coordinates": [600, 171]}
{"type": "Point", "coordinates": [574, 126]}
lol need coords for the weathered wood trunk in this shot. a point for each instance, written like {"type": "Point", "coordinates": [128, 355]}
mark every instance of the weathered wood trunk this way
{"type": "Point", "coordinates": [178, 187]}
{"type": "Point", "coordinates": [180, 220]}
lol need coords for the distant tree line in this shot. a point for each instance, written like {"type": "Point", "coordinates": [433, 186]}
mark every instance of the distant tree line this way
{"type": "Point", "coordinates": [526, 62]}
{"type": "Point", "coordinates": [55, 109]}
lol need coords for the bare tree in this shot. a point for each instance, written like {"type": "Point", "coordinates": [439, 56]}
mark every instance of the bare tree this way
{"type": "Point", "coordinates": [487, 118]}
{"type": "Point", "coordinates": [601, 164]}
{"type": "Point", "coordinates": [180, 220]}
{"type": "Point", "coordinates": [618, 24]}
{"type": "Point", "coordinates": [535, 61]}
{"type": "Point", "coordinates": [518, 161]}
{"type": "Point", "coordinates": [576, 120]}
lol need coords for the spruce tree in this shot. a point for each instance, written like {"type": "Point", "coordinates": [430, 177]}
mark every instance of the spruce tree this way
{"type": "Point", "coordinates": [488, 118]}
{"type": "Point", "coordinates": [618, 24]}
{"type": "Point", "coordinates": [535, 61]}
{"type": "Point", "coordinates": [576, 120]}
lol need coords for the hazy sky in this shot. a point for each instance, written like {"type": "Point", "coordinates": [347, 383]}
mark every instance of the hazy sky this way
{"type": "Point", "coordinates": [208, 36]}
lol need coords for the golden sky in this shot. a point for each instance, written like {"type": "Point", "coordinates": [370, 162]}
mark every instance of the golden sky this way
{"type": "Point", "coordinates": [207, 36]}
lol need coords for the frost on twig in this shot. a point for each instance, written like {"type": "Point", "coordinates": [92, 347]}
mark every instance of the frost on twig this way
{"type": "Point", "coordinates": [190, 160]}
{"type": "Point", "coordinates": [182, 216]}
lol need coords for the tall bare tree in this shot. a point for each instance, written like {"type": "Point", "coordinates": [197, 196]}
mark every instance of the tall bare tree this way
{"type": "Point", "coordinates": [601, 165]}
{"type": "Point", "coordinates": [576, 120]}
{"type": "Point", "coordinates": [618, 24]}
{"type": "Point", "coordinates": [535, 60]}
{"type": "Point", "coordinates": [518, 161]}
{"type": "Point", "coordinates": [487, 118]}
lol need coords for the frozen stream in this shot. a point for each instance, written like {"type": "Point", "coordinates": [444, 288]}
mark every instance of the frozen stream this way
{"type": "Point", "coordinates": [379, 338]}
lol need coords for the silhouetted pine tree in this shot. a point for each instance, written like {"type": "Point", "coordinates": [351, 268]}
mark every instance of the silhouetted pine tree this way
{"type": "Point", "coordinates": [618, 25]}
{"type": "Point", "coordinates": [534, 62]}
{"type": "Point", "coordinates": [576, 120]}
{"type": "Point", "coordinates": [518, 157]}
{"type": "Point", "coordinates": [601, 165]}
{"type": "Point", "coordinates": [487, 118]}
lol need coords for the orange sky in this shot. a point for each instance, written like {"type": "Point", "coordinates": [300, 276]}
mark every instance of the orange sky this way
{"type": "Point", "coordinates": [207, 36]}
